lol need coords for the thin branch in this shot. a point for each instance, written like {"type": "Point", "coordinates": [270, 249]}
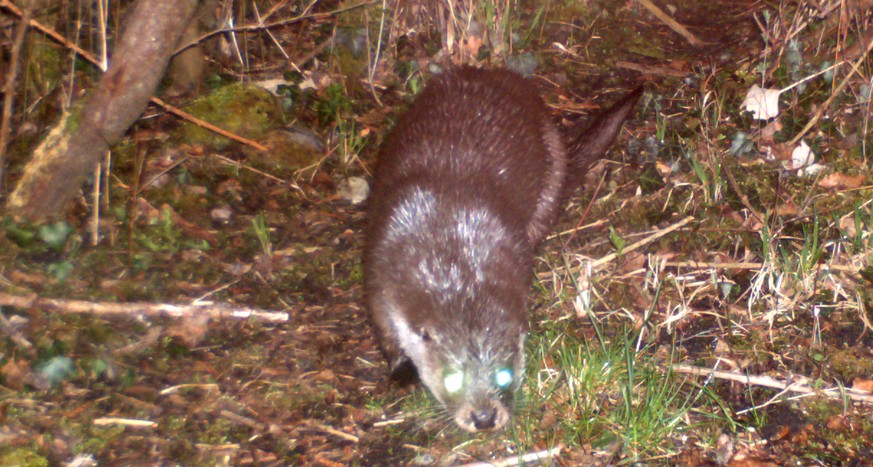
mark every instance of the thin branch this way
{"type": "Point", "coordinates": [797, 384]}
{"type": "Point", "coordinates": [213, 310]}
{"type": "Point", "coordinates": [658, 234]}
{"type": "Point", "coordinates": [538, 457]}
{"type": "Point", "coordinates": [9, 89]}
{"type": "Point", "coordinates": [834, 94]}
{"type": "Point", "coordinates": [124, 422]}
{"type": "Point", "coordinates": [671, 23]}
{"type": "Point", "coordinates": [96, 62]}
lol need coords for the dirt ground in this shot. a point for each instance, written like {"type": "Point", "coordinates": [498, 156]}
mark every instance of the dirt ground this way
{"type": "Point", "coordinates": [314, 390]}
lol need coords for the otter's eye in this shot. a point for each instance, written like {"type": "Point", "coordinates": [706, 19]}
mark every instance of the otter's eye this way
{"type": "Point", "coordinates": [453, 381]}
{"type": "Point", "coordinates": [503, 378]}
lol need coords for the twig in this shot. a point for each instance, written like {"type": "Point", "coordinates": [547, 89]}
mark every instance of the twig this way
{"type": "Point", "coordinates": [202, 123]}
{"type": "Point", "coordinates": [283, 22]}
{"type": "Point", "coordinates": [333, 431]}
{"type": "Point", "coordinates": [671, 23]}
{"type": "Point", "coordinates": [9, 89]}
{"type": "Point", "coordinates": [660, 233]}
{"type": "Point", "coordinates": [237, 164]}
{"type": "Point", "coordinates": [213, 310]}
{"type": "Point", "coordinates": [799, 384]}
{"type": "Point", "coordinates": [539, 457]}
{"type": "Point", "coordinates": [834, 94]}
{"type": "Point", "coordinates": [743, 198]}
{"type": "Point", "coordinates": [124, 422]}
{"type": "Point", "coordinates": [663, 71]}
{"type": "Point", "coordinates": [578, 228]}
{"type": "Point", "coordinates": [174, 389]}
{"type": "Point", "coordinates": [91, 58]}
{"type": "Point", "coordinates": [596, 265]}
{"type": "Point", "coordinates": [747, 265]}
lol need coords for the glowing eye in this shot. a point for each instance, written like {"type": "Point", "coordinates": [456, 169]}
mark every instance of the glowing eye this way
{"type": "Point", "coordinates": [453, 381]}
{"type": "Point", "coordinates": [503, 378]}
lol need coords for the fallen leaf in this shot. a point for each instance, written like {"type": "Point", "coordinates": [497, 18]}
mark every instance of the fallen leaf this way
{"type": "Point", "coordinates": [769, 131]}
{"type": "Point", "coordinates": [762, 102]}
{"type": "Point", "coordinates": [847, 225]}
{"type": "Point", "coordinates": [15, 373]}
{"type": "Point", "coordinates": [840, 181]}
{"type": "Point", "coordinates": [353, 189]}
{"type": "Point", "coordinates": [802, 156]}
{"type": "Point", "coordinates": [862, 384]}
{"type": "Point", "coordinates": [190, 330]}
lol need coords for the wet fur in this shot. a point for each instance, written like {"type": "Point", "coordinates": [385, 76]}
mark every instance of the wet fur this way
{"type": "Point", "coordinates": [467, 185]}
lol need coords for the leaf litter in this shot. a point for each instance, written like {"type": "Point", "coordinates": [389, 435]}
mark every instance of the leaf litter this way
{"type": "Point", "coordinates": [771, 278]}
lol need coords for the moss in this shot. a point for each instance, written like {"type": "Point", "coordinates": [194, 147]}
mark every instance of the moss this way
{"type": "Point", "coordinates": [848, 366]}
{"type": "Point", "coordinates": [22, 456]}
{"type": "Point", "coordinates": [246, 110]}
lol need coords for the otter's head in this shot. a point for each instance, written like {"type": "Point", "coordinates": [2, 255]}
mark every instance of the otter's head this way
{"type": "Point", "coordinates": [473, 371]}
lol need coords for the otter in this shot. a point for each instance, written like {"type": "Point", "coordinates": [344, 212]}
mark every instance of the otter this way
{"type": "Point", "coordinates": [467, 185]}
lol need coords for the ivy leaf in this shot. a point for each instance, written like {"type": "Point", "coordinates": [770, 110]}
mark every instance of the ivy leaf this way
{"type": "Point", "coordinates": [55, 235]}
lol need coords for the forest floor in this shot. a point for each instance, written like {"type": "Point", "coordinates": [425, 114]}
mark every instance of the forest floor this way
{"type": "Point", "coordinates": [705, 300]}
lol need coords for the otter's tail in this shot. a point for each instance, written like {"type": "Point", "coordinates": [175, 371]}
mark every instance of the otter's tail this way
{"type": "Point", "coordinates": [588, 144]}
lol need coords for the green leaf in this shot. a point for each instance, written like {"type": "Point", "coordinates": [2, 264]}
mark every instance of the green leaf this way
{"type": "Point", "coordinates": [20, 235]}
{"type": "Point", "coordinates": [650, 180]}
{"type": "Point", "coordinates": [55, 235]}
{"type": "Point", "coordinates": [60, 270]}
{"type": "Point", "coordinates": [56, 370]}
{"type": "Point", "coordinates": [617, 242]}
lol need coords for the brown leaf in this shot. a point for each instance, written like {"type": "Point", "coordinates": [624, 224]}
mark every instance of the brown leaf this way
{"type": "Point", "coordinates": [862, 384]}
{"type": "Point", "coordinates": [839, 181]}
{"type": "Point", "coordinates": [190, 330]}
{"type": "Point", "coordinates": [769, 131]}
{"type": "Point", "coordinates": [15, 372]}
{"type": "Point", "coordinates": [837, 422]}
{"type": "Point", "coordinates": [847, 225]}
{"type": "Point", "coordinates": [780, 151]}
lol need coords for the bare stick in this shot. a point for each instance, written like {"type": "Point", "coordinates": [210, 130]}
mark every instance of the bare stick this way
{"type": "Point", "coordinates": [91, 58]}
{"type": "Point", "coordinates": [671, 23]}
{"type": "Point", "coordinates": [698, 265]}
{"type": "Point", "coordinates": [539, 457]}
{"type": "Point", "coordinates": [333, 431]}
{"type": "Point", "coordinates": [124, 422]}
{"type": "Point", "coordinates": [600, 262]}
{"type": "Point", "coordinates": [834, 94]}
{"type": "Point", "coordinates": [202, 123]}
{"type": "Point", "coordinates": [798, 384]}
{"type": "Point", "coordinates": [9, 89]}
{"type": "Point", "coordinates": [652, 70]}
{"type": "Point", "coordinates": [213, 310]}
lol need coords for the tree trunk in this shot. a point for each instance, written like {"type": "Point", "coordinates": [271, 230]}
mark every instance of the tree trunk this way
{"type": "Point", "coordinates": [67, 156]}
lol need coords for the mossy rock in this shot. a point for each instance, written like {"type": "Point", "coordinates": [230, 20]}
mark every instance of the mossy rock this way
{"type": "Point", "coordinates": [243, 109]}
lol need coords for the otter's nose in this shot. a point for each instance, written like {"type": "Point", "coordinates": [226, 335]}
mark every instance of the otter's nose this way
{"type": "Point", "coordinates": [483, 419]}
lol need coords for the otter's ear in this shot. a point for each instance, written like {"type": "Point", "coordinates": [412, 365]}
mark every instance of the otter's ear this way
{"type": "Point", "coordinates": [403, 371]}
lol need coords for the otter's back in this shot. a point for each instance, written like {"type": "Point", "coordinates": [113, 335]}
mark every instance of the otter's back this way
{"type": "Point", "coordinates": [485, 135]}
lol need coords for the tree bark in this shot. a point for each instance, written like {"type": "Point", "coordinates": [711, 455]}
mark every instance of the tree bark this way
{"type": "Point", "coordinates": [67, 156]}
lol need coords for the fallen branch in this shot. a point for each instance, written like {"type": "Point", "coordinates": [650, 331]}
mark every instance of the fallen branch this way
{"type": "Point", "coordinates": [595, 265]}
{"type": "Point", "coordinates": [652, 70]}
{"type": "Point", "coordinates": [598, 264]}
{"type": "Point", "coordinates": [6, 4]}
{"type": "Point", "coordinates": [213, 310]}
{"type": "Point", "coordinates": [703, 265]}
{"type": "Point", "coordinates": [671, 23]}
{"type": "Point", "coordinates": [124, 422]}
{"type": "Point", "coordinates": [800, 384]}
{"type": "Point", "coordinates": [539, 457]}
